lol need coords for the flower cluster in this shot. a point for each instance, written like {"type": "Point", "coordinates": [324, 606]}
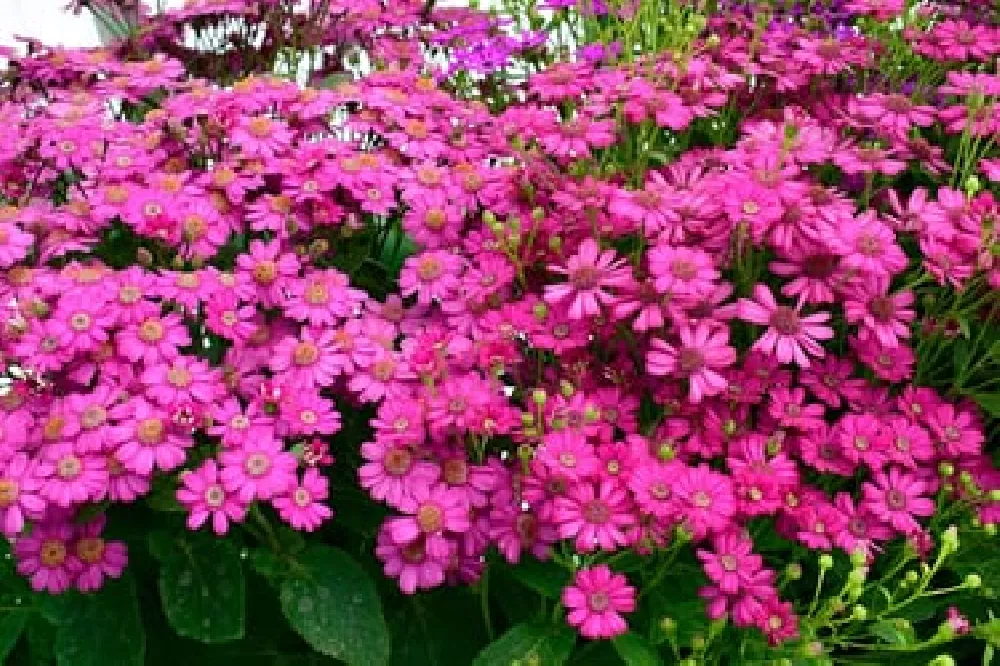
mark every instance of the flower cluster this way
{"type": "Point", "coordinates": [645, 302]}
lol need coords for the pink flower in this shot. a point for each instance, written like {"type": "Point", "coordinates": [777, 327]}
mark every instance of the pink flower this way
{"type": "Point", "coordinates": [411, 563]}
{"type": "Point", "coordinates": [301, 506]}
{"type": "Point", "coordinates": [433, 513]}
{"type": "Point", "coordinates": [568, 454]}
{"type": "Point", "coordinates": [311, 360]}
{"type": "Point", "coordinates": [393, 472]}
{"type": "Point", "coordinates": [896, 497]}
{"type": "Point", "coordinates": [595, 515]}
{"type": "Point", "coordinates": [703, 349]}
{"type": "Point", "coordinates": [731, 562]}
{"type": "Point", "coordinates": [99, 559]}
{"type": "Point", "coordinates": [704, 499]}
{"type": "Point", "coordinates": [71, 477]}
{"type": "Point", "coordinates": [47, 558]}
{"type": "Point", "coordinates": [260, 469]}
{"type": "Point", "coordinates": [154, 339]}
{"type": "Point", "coordinates": [596, 601]}
{"type": "Point", "coordinates": [147, 439]}
{"type": "Point", "coordinates": [589, 272]}
{"type": "Point", "coordinates": [789, 336]}
{"type": "Point", "coordinates": [204, 497]}
{"type": "Point", "coordinates": [182, 380]}
{"type": "Point", "coordinates": [20, 496]}
{"type": "Point", "coordinates": [682, 270]}
{"type": "Point", "coordinates": [885, 317]}
{"type": "Point", "coordinates": [431, 276]}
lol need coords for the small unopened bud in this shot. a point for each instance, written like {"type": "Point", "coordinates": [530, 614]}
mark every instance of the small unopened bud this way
{"type": "Point", "coordinates": [949, 539]}
{"type": "Point", "coordinates": [793, 571]}
{"type": "Point", "coordinates": [566, 388]}
{"type": "Point", "coordinates": [942, 660]}
{"type": "Point", "coordinates": [995, 495]}
{"type": "Point", "coordinates": [825, 561]}
{"type": "Point", "coordinates": [668, 625]}
{"type": "Point", "coordinates": [537, 214]}
{"type": "Point", "coordinates": [946, 469]}
{"type": "Point", "coordinates": [859, 558]}
{"type": "Point", "coordinates": [555, 243]}
{"type": "Point", "coordinates": [911, 576]}
{"type": "Point", "coordinates": [698, 642]}
{"type": "Point", "coordinates": [973, 581]}
{"type": "Point", "coordinates": [859, 613]}
{"type": "Point", "coordinates": [990, 529]}
{"type": "Point", "coordinates": [539, 397]}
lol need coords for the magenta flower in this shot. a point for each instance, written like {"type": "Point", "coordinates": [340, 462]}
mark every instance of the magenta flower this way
{"type": "Point", "coordinates": [47, 558]}
{"type": "Point", "coordinates": [790, 336]}
{"type": "Point", "coordinates": [704, 499]}
{"type": "Point", "coordinates": [204, 497]}
{"type": "Point", "coordinates": [301, 506]}
{"type": "Point", "coordinates": [589, 272]}
{"type": "Point", "coordinates": [20, 496]}
{"type": "Point", "coordinates": [703, 349]}
{"type": "Point", "coordinates": [731, 563]}
{"type": "Point", "coordinates": [432, 514]}
{"type": "Point", "coordinates": [683, 271]}
{"type": "Point", "coordinates": [260, 469]}
{"type": "Point", "coordinates": [393, 472]}
{"type": "Point", "coordinates": [71, 477]}
{"type": "Point", "coordinates": [568, 454]}
{"type": "Point", "coordinates": [154, 339]}
{"type": "Point", "coordinates": [431, 276]}
{"type": "Point", "coordinates": [99, 559]}
{"type": "Point", "coordinates": [411, 563]}
{"type": "Point", "coordinates": [896, 497]}
{"type": "Point", "coordinates": [596, 516]}
{"type": "Point", "coordinates": [596, 601]}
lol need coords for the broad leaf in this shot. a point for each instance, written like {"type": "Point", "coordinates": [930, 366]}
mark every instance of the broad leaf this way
{"type": "Point", "coordinates": [530, 644]}
{"type": "Point", "coordinates": [424, 628]}
{"type": "Point", "coordinates": [332, 603]}
{"type": "Point", "coordinates": [201, 585]}
{"type": "Point", "coordinates": [636, 650]}
{"type": "Point", "coordinates": [12, 623]}
{"type": "Point", "coordinates": [102, 628]}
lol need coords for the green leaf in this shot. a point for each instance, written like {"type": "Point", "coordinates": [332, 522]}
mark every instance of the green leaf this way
{"type": "Point", "coordinates": [989, 632]}
{"type": "Point", "coordinates": [891, 632]}
{"type": "Point", "coordinates": [636, 650]}
{"type": "Point", "coordinates": [546, 578]}
{"type": "Point", "coordinates": [101, 629]}
{"type": "Point", "coordinates": [530, 644]}
{"type": "Point", "coordinates": [201, 585]}
{"type": "Point", "coordinates": [990, 403]}
{"type": "Point", "coordinates": [332, 603]}
{"type": "Point", "coordinates": [11, 625]}
{"type": "Point", "coordinates": [423, 628]}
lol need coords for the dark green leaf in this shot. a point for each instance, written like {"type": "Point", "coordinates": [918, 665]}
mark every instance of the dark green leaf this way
{"type": "Point", "coordinates": [546, 578]}
{"type": "Point", "coordinates": [12, 623]}
{"type": "Point", "coordinates": [101, 629]}
{"type": "Point", "coordinates": [201, 585]}
{"type": "Point", "coordinates": [636, 650]}
{"type": "Point", "coordinates": [893, 632]}
{"type": "Point", "coordinates": [990, 403]}
{"type": "Point", "coordinates": [332, 603]}
{"type": "Point", "coordinates": [423, 628]}
{"type": "Point", "coordinates": [530, 644]}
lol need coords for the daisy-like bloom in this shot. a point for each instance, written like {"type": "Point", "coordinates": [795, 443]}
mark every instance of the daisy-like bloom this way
{"type": "Point", "coordinates": [863, 531]}
{"type": "Point", "coordinates": [182, 380]}
{"type": "Point", "coordinates": [46, 557]}
{"type": "Point", "coordinates": [909, 444]}
{"type": "Point", "coordinates": [204, 497]}
{"type": "Point", "coordinates": [301, 506]}
{"type": "Point", "coordinates": [596, 601]}
{"type": "Point", "coordinates": [790, 336]}
{"type": "Point", "coordinates": [310, 360]}
{"type": "Point", "coordinates": [431, 276]}
{"type": "Point", "coordinates": [731, 563]}
{"type": "Point", "coordinates": [99, 559]}
{"type": "Point", "coordinates": [20, 496]}
{"type": "Point", "coordinates": [15, 243]}
{"type": "Point", "coordinates": [569, 454]}
{"type": "Point", "coordinates": [651, 484]}
{"type": "Point", "coordinates": [71, 477]}
{"type": "Point", "coordinates": [433, 513]}
{"type": "Point", "coordinates": [703, 349]}
{"type": "Point", "coordinates": [515, 531]}
{"type": "Point", "coordinates": [411, 563]}
{"type": "Point", "coordinates": [680, 270]}
{"type": "Point", "coordinates": [306, 412]}
{"type": "Point", "coordinates": [596, 516]}
{"type": "Point", "coordinates": [897, 497]}
{"type": "Point", "coordinates": [589, 274]}
{"type": "Point", "coordinates": [393, 472]}
{"type": "Point", "coordinates": [80, 322]}
{"type": "Point", "coordinates": [956, 432]}
{"type": "Point", "coordinates": [704, 500]}
{"type": "Point", "coordinates": [260, 469]}
{"type": "Point", "coordinates": [885, 317]}
{"type": "Point", "coordinates": [261, 136]}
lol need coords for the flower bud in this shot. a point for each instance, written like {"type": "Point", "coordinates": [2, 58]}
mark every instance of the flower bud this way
{"type": "Point", "coordinates": [973, 581]}
{"type": "Point", "coordinates": [859, 613]}
{"type": "Point", "coordinates": [566, 388]}
{"type": "Point", "coordinates": [698, 642]}
{"type": "Point", "coordinates": [911, 577]}
{"type": "Point", "coordinates": [539, 397]}
{"type": "Point", "coordinates": [825, 561]}
{"type": "Point", "coordinates": [990, 529]}
{"type": "Point", "coordinates": [859, 558]}
{"type": "Point", "coordinates": [949, 539]}
{"type": "Point", "coordinates": [793, 571]}
{"type": "Point", "coordinates": [946, 469]}
{"type": "Point", "coordinates": [995, 495]}
{"type": "Point", "coordinates": [942, 660]}
{"type": "Point", "coordinates": [668, 625]}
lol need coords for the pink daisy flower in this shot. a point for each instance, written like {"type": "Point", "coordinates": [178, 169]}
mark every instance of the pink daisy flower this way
{"type": "Point", "coordinates": [568, 453]}
{"type": "Point", "coordinates": [896, 497]}
{"type": "Point", "coordinates": [790, 336]}
{"type": "Point", "coordinates": [99, 559]}
{"type": "Point", "coordinates": [411, 563]}
{"type": "Point", "coordinates": [182, 380]}
{"type": "Point", "coordinates": [682, 270]}
{"type": "Point", "coordinates": [431, 276]}
{"type": "Point", "coordinates": [393, 471]}
{"type": "Point", "coordinates": [589, 272]}
{"type": "Point", "coordinates": [432, 512]}
{"type": "Point", "coordinates": [147, 439]}
{"type": "Point", "coordinates": [301, 506]}
{"type": "Point", "coordinates": [20, 497]}
{"type": "Point", "coordinates": [46, 557]}
{"type": "Point", "coordinates": [204, 497]}
{"type": "Point", "coordinates": [596, 601]}
{"type": "Point", "coordinates": [153, 339]}
{"type": "Point", "coordinates": [702, 350]}
{"type": "Point", "coordinates": [594, 515]}
{"type": "Point", "coordinates": [311, 360]}
{"type": "Point", "coordinates": [704, 499]}
{"type": "Point", "coordinates": [260, 469]}
{"type": "Point", "coordinates": [71, 477]}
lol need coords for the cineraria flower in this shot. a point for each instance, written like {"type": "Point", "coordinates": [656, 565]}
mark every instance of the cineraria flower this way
{"type": "Point", "coordinates": [790, 336]}
{"type": "Point", "coordinates": [897, 497]}
{"type": "Point", "coordinates": [99, 559]}
{"type": "Point", "coordinates": [596, 600]}
{"type": "Point", "coordinates": [704, 500]}
{"type": "Point", "coordinates": [260, 469]}
{"type": "Point", "coordinates": [47, 558]}
{"type": "Point", "coordinates": [431, 513]}
{"type": "Point", "coordinates": [301, 506]}
{"type": "Point", "coordinates": [204, 497]}
{"type": "Point", "coordinates": [731, 562]}
{"type": "Point", "coordinates": [596, 516]}
{"type": "Point", "coordinates": [20, 496]}
{"type": "Point", "coordinates": [411, 563]}
{"type": "Point", "coordinates": [702, 350]}
{"type": "Point", "coordinates": [589, 272]}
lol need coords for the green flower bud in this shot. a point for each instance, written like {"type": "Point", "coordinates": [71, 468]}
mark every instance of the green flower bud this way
{"type": "Point", "coordinates": [859, 558]}
{"type": "Point", "coordinates": [949, 539]}
{"type": "Point", "coordinates": [537, 214]}
{"type": "Point", "coordinates": [566, 388]}
{"type": "Point", "coordinates": [973, 581]}
{"type": "Point", "coordinates": [973, 185]}
{"type": "Point", "coordinates": [946, 469]}
{"type": "Point", "coordinates": [793, 571]}
{"type": "Point", "coordinates": [859, 613]}
{"type": "Point", "coordinates": [911, 577]}
{"type": "Point", "coordinates": [697, 642]}
{"type": "Point", "coordinates": [995, 495]}
{"type": "Point", "coordinates": [489, 218]}
{"type": "Point", "coordinates": [555, 243]}
{"type": "Point", "coordinates": [990, 529]}
{"type": "Point", "coordinates": [942, 660]}
{"type": "Point", "coordinates": [668, 625]}
{"type": "Point", "coordinates": [540, 311]}
{"type": "Point", "coordinates": [826, 561]}
{"type": "Point", "coordinates": [539, 397]}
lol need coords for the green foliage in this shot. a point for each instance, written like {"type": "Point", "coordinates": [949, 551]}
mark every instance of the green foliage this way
{"type": "Point", "coordinates": [530, 644]}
